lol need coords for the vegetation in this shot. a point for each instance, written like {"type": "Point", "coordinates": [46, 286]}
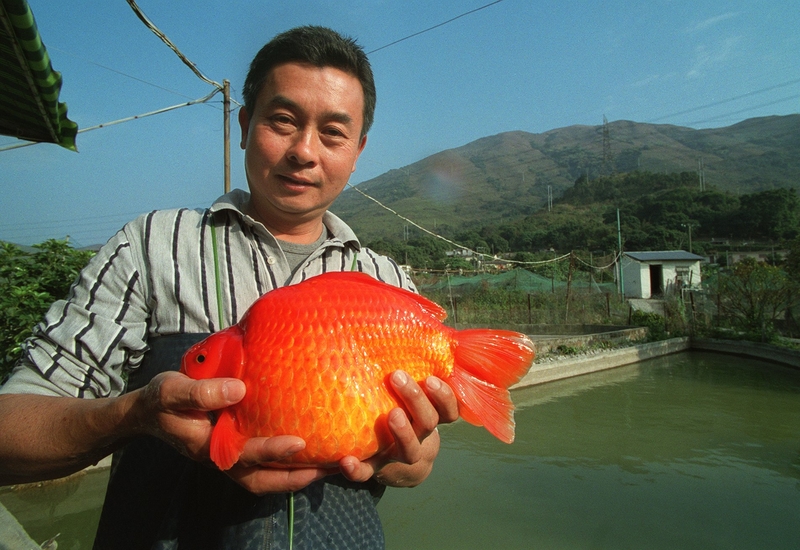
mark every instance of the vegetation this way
{"type": "Point", "coordinates": [753, 298]}
{"type": "Point", "coordinates": [29, 283]}
{"type": "Point", "coordinates": [501, 179]}
{"type": "Point", "coordinates": [656, 211]}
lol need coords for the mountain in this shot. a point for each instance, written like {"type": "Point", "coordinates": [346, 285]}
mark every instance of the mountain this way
{"type": "Point", "coordinates": [508, 176]}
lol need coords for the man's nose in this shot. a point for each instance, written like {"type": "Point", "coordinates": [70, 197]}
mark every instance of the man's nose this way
{"type": "Point", "coordinates": [304, 148]}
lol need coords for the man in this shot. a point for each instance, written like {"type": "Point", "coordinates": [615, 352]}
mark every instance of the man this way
{"type": "Point", "coordinates": [169, 278]}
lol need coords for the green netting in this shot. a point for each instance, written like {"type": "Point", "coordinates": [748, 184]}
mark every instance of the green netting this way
{"type": "Point", "coordinates": [516, 279]}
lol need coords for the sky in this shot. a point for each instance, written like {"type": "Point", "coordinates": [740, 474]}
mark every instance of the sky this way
{"type": "Point", "coordinates": [531, 65]}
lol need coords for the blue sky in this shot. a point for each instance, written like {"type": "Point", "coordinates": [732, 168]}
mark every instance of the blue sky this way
{"type": "Point", "coordinates": [531, 65]}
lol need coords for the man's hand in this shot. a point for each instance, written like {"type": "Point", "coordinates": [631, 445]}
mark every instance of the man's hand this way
{"type": "Point", "coordinates": [175, 408]}
{"type": "Point", "coordinates": [416, 441]}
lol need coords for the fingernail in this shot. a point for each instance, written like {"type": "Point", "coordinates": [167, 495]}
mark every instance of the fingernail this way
{"type": "Point", "coordinates": [399, 378]}
{"type": "Point", "coordinates": [349, 468]}
{"type": "Point", "coordinates": [233, 391]}
{"type": "Point", "coordinates": [295, 448]}
{"type": "Point", "coordinates": [433, 383]}
{"type": "Point", "coordinates": [397, 420]}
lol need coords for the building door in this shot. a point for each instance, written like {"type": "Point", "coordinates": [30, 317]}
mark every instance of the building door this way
{"type": "Point", "coordinates": [656, 280]}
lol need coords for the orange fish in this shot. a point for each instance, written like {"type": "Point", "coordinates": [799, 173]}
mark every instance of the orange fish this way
{"type": "Point", "coordinates": [316, 358]}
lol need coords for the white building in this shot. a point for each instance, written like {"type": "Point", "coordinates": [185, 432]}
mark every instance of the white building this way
{"type": "Point", "coordinates": [650, 274]}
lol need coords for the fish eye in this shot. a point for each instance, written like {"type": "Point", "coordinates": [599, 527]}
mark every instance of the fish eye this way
{"type": "Point", "coordinates": [200, 358]}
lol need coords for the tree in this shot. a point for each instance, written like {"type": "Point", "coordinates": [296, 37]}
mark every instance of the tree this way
{"type": "Point", "coordinates": [753, 295]}
{"type": "Point", "coordinates": [772, 214]}
{"type": "Point", "coordinates": [29, 283]}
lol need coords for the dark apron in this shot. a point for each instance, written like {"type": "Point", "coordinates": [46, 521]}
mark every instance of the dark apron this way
{"type": "Point", "coordinates": [159, 499]}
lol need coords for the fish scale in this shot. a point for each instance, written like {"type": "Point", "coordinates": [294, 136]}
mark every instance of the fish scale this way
{"type": "Point", "coordinates": [316, 358]}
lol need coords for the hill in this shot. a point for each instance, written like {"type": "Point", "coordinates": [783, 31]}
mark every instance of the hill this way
{"type": "Point", "coordinates": [508, 176]}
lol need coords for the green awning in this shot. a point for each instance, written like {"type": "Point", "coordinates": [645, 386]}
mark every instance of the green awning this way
{"type": "Point", "coordinates": [29, 87]}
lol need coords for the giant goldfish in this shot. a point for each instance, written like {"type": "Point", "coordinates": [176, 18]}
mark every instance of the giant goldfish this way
{"type": "Point", "coordinates": [315, 358]}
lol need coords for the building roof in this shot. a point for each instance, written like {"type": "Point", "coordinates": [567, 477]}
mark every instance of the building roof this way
{"type": "Point", "coordinates": [664, 255]}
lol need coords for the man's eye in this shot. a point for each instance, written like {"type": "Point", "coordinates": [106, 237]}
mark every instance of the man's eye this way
{"type": "Point", "coordinates": [281, 120]}
{"type": "Point", "coordinates": [333, 132]}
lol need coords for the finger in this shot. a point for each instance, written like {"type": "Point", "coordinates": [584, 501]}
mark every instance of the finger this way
{"type": "Point", "coordinates": [407, 447]}
{"type": "Point", "coordinates": [355, 470]}
{"type": "Point", "coordinates": [179, 392]}
{"type": "Point", "coordinates": [423, 414]}
{"type": "Point", "coordinates": [266, 450]}
{"type": "Point", "coordinates": [443, 399]}
{"type": "Point", "coordinates": [260, 480]}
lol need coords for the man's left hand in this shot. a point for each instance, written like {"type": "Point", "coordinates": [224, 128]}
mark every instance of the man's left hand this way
{"type": "Point", "coordinates": [416, 441]}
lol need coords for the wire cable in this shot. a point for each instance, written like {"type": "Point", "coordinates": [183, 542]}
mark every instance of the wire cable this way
{"type": "Point", "coordinates": [149, 24]}
{"type": "Point", "coordinates": [137, 79]}
{"type": "Point", "coordinates": [431, 28]}
{"type": "Point", "coordinates": [445, 239]}
{"type": "Point", "coordinates": [126, 119]}
{"type": "Point", "coordinates": [728, 100]}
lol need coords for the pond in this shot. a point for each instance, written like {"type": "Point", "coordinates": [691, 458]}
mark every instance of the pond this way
{"type": "Point", "coordinates": [687, 451]}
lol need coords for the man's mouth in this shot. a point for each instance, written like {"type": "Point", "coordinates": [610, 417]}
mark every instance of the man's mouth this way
{"type": "Point", "coordinates": [293, 181]}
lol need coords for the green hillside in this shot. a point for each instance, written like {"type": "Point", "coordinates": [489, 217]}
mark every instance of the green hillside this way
{"type": "Point", "coordinates": [504, 178]}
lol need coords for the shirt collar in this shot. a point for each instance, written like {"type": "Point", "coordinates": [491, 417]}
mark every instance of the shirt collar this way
{"type": "Point", "coordinates": [238, 198]}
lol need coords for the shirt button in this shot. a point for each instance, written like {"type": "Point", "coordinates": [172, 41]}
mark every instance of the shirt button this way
{"type": "Point", "coordinates": [271, 260]}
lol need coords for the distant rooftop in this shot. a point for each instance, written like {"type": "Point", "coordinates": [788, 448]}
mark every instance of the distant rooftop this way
{"type": "Point", "coordinates": [664, 255]}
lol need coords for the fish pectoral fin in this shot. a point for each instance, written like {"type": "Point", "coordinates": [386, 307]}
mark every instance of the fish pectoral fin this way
{"type": "Point", "coordinates": [227, 443]}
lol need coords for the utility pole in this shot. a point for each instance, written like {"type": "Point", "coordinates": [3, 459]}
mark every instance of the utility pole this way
{"type": "Point", "coordinates": [619, 242]}
{"type": "Point", "coordinates": [701, 174]}
{"type": "Point", "coordinates": [226, 115]}
{"type": "Point", "coordinates": [689, 226]}
{"type": "Point", "coordinates": [607, 161]}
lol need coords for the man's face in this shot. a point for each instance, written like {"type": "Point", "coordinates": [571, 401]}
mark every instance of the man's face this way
{"type": "Point", "coordinates": [301, 144]}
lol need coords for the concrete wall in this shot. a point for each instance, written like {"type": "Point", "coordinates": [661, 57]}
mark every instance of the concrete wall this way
{"type": "Point", "coordinates": [567, 367]}
{"type": "Point", "coordinates": [636, 276]}
{"type": "Point", "coordinates": [636, 279]}
{"type": "Point", "coordinates": [540, 373]}
{"type": "Point", "coordinates": [549, 337]}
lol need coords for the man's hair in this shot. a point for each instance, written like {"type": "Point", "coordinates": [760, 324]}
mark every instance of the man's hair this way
{"type": "Point", "coordinates": [318, 46]}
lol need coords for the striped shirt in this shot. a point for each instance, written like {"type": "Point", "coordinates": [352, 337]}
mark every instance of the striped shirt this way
{"type": "Point", "coordinates": [157, 277]}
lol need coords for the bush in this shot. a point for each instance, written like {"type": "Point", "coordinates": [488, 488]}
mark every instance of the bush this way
{"type": "Point", "coordinates": [29, 283]}
{"type": "Point", "coordinates": [656, 329]}
{"type": "Point", "coordinates": [753, 296]}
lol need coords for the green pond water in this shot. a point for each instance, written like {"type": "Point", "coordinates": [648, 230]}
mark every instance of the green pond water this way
{"type": "Point", "coordinates": [687, 451]}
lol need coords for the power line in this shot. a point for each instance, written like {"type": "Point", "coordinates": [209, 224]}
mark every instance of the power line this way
{"type": "Point", "coordinates": [126, 119]}
{"type": "Point", "coordinates": [740, 111]}
{"type": "Point", "coordinates": [137, 79]}
{"type": "Point", "coordinates": [149, 24]}
{"type": "Point", "coordinates": [729, 100]}
{"type": "Point", "coordinates": [434, 27]}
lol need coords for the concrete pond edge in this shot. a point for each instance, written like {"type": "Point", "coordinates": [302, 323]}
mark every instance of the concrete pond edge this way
{"type": "Point", "coordinates": [569, 366]}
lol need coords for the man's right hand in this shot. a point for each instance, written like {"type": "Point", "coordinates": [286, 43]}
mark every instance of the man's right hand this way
{"type": "Point", "coordinates": [175, 408]}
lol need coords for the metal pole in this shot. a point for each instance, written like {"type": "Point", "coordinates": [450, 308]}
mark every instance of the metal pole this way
{"type": "Point", "coordinates": [226, 109]}
{"type": "Point", "coordinates": [619, 242]}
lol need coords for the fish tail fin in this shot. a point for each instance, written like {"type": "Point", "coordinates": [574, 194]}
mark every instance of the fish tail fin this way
{"type": "Point", "coordinates": [487, 362]}
{"type": "Point", "coordinates": [227, 442]}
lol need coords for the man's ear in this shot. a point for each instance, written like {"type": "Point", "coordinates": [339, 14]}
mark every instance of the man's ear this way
{"type": "Point", "coordinates": [244, 124]}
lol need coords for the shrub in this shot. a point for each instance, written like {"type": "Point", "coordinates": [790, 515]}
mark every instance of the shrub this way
{"type": "Point", "coordinates": [29, 283]}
